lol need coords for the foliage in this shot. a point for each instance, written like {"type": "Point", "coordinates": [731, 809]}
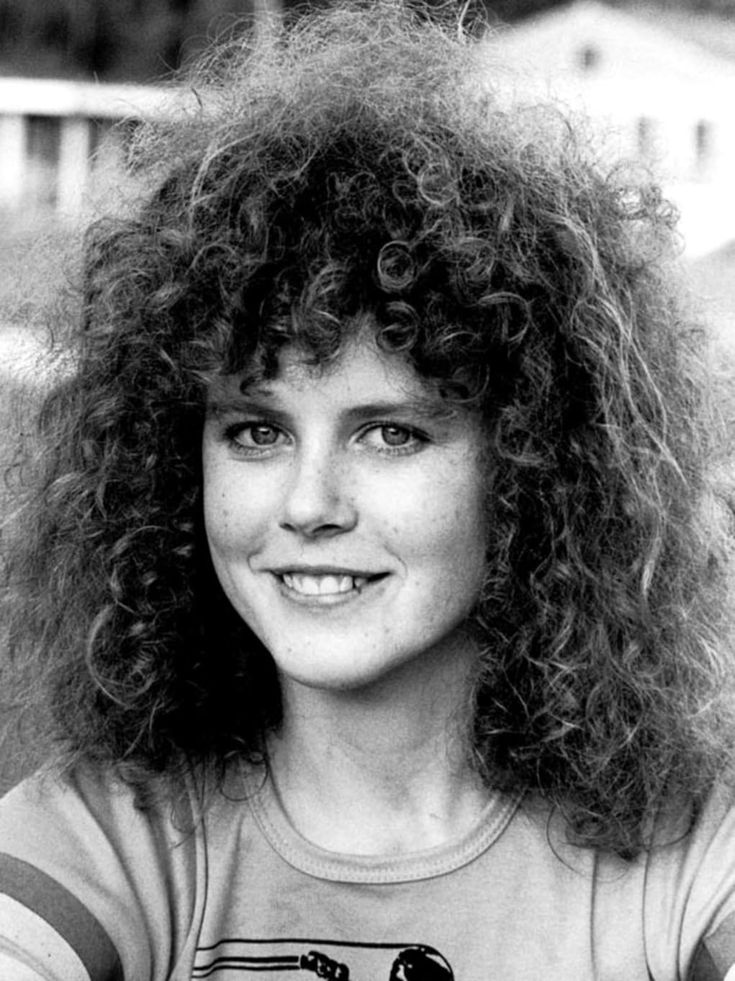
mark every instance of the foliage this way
{"type": "Point", "coordinates": [141, 40]}
{"type": "Point", "coordinates": [107, 39]}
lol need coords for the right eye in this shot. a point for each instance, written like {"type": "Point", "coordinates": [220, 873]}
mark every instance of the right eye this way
{"type": "Point", "coordinates": [255, 435]}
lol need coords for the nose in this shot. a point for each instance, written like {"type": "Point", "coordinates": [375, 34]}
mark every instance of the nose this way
{"type": "Point", "coordinates": [318, 500]}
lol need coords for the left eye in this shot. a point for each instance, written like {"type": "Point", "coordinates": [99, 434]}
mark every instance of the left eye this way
{"type": "Point", "coordinates": [391, 436]}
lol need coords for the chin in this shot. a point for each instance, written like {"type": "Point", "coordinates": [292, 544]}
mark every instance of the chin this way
{"type": "Point", "coordinates": [340, 671]}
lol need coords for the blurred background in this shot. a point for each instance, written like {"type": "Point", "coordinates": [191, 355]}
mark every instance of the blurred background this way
{"type": "Point", "coordinates": [77, 76]}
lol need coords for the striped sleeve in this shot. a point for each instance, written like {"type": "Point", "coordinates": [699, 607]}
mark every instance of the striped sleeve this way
{"type": "Point", "coordinates": [115, 883]}
{"type": "Point", "coordinates": [720, 949]}
{"type": "Point", "coordinates": [13, 969]}
{"type": "Point", "coordinates": [44, 925]}
{"type": "Point", "coordinates": [30, 949]}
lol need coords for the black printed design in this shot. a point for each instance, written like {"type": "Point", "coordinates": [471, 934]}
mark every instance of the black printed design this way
{"type": "Point", "coordinates": [420, 964]}
{"type": "Point", "coordinates": [329, 959]}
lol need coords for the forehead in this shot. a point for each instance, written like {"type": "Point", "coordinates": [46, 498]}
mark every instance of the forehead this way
{"type": "Point", "coordinates": [360, 370]}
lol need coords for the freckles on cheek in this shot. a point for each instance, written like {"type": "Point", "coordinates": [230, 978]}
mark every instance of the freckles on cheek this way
{"type": "Point", "coordinates": [217, 520]}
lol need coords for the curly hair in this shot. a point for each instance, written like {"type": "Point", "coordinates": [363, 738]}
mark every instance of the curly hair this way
{"type": "Point", "coordinates": [358, 163]}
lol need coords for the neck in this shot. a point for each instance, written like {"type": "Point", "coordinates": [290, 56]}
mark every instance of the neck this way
{"type": "Point", "coordinates": [381, 769]}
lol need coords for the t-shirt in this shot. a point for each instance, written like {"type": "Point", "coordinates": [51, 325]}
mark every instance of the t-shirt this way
{"type": "Point", "coordinates": [92, 887]}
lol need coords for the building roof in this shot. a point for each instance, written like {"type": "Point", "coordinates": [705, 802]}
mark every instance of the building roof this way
{"type": "Point", "coordinates": [655, 86]}
{"type": "Point", "coordinates": [713, 33]}
{"type": "Point", "coordinates": [61, 97]}
{"type": "Point", "coordinates": [591, 40]}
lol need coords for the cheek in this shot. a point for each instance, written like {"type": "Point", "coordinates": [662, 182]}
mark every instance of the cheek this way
{"type": "Point", "coordinates": [444, 529]}
{"type": "Point", "coordinates": [217, 516]}
{"type": "Point", "coordinates": [229, 518]}
{"type": "Point", "coordinates": [231, 535]}
{"type": "Point", "coordinates": [462, 544]}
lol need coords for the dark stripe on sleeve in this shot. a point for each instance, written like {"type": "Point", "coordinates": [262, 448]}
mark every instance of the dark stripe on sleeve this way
{"type": "Point", "coordinates": [63, 911]}
{"type": "Point", "coordinates": [721, 947]}
{"type": "Point", "coordinates": [703, 967]}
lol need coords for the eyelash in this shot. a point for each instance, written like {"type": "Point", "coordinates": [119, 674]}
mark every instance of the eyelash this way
{"type": "Point", "coordinates": [416, 439]}
{"type": "Point", "coordinates": [233, 433]}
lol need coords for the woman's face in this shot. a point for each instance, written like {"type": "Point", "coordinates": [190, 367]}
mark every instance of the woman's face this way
{"type": "Point", "coordinates": [343, 509]}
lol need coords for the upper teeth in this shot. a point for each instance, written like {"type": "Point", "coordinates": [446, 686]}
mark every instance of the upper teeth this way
{"type": "Point", "coordinates": [321, 585]}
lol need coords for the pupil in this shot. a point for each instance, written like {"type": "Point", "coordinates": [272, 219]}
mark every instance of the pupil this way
{"type": "Point", "coordinates": [263, 435]}
{"type": "Point", "coordinates": [395, 436]}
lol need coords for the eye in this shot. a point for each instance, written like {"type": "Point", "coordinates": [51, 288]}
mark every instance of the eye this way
{"type": "Point", "coordinates": [387, 437]}
{"type": "Point", "coordinates": [254, 435]}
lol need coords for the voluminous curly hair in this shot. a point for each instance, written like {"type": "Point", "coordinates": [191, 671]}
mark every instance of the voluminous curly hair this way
{"type": "Point", "coordinates": [355, 163]}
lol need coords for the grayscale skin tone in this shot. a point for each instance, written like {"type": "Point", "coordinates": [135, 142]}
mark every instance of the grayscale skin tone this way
{"type": "Point", "coordinates": [343, 510]}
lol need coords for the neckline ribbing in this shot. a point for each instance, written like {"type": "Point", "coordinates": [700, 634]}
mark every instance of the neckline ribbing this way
{"type": "Point", "coordinates": [320, 863]}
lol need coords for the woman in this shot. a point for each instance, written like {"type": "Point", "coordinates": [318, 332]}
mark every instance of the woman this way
{"type": "Point", "coordinates": [374, 577]}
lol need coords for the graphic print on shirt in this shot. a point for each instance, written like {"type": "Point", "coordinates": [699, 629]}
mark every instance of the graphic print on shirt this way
{"type": "Point", "coordinates": [330, 959]}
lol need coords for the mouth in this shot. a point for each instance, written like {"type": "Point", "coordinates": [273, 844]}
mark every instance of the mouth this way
{"type": "Point", "coordinates": [332, 584]}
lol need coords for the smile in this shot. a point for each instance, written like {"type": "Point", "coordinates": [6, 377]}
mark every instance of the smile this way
{"type": "Point", "coordinates": [322, 585]}
{"type": "Point", "coordinates": [325, 588]}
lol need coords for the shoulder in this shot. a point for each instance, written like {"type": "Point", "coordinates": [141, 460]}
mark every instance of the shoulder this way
{"type": "Point", "coordinates": [78, 850]}
{"type": "Point", "coordinates": [86, 802]}
{"type": "Point", "coordinates": [690, 890]}
{"type": "Point", "coordinates": [85, 785]}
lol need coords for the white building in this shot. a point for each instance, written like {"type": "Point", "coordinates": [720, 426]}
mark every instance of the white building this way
{"type": "Point", "coordinates": [663, 88]}
{"type": "Point", "coordinates": [55, 135]}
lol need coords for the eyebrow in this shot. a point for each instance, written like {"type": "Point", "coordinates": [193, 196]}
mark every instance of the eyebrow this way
{"type": "Point", "coordinates": [430, 408]}
{"type": "Point", "coordinates": [254, 401]}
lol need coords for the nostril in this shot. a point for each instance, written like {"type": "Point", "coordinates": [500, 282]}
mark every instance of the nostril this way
{"type": "Point", "coordinates": [313, 529]}
{"type": "Point", "coordinates": [317, 502]}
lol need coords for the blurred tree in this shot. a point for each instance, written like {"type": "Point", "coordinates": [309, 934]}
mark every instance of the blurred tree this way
{"type": "Point", "coordinates": [104, 38]}
{"type": "Point", "coordinates": [108, 39]}
{"type": "Point", "coordinates": [510, 10]}
{"type": "Point", "coordinates": [145, 39]}
{"type": "Point", "coordinates": [142, 39]}
{"type": "Point", "coordinates": [204, 20]}
{"type": "Point", "coordinates": [503, 10]}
